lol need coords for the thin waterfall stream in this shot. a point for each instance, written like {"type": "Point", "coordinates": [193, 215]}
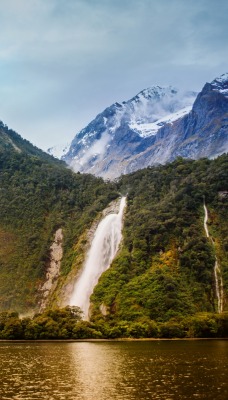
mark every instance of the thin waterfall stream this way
{"type": "Point", "coordinates": [217, 270]}
{"type": "Point", "coordinates": [103, 249]}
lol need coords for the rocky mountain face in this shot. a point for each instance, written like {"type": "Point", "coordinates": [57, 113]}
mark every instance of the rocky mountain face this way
{"type": "Point", "coordinates": [154, 127]}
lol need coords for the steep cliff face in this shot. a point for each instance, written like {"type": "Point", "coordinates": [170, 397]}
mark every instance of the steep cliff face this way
{"type": "Point", "coordinates": [201, 133]}
{"type": "Point", "coordinates": [53, 269]}
{"type": "Point", "coordinates": [154, 127]}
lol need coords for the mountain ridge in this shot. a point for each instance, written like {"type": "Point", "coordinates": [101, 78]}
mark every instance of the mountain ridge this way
{"type": "Point", "coordinates": [12, 141]}
{"type": "Point", "coordinates": [153, 127]}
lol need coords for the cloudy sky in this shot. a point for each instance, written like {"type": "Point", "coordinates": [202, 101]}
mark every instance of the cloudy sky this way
{"type": "Point", "coordinates": [63, 61]}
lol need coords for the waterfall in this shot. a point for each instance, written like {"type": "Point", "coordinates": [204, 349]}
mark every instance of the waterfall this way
{"type": "Point", "coordinates": [205, 220]}
{"type": "Point", "coordinates": [103, 250]}
{"type": "Point", "coordinates": [217, 270]}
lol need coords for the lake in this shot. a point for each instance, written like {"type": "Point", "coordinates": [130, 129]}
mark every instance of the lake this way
{"type": "Point", "coordinates": [168, 370]}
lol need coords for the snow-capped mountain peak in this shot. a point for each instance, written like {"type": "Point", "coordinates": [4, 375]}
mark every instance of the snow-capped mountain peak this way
{"type": "Point", "coordinates": [155, 93]}
{"type": "Point", "coordinates": [155, 126]}
{"type": "Point", "coordinates": [156, 106]}
{"type": "Point", "coordinates": [221, 84]}
{"type": "Point", "coordinates": [141, 117]}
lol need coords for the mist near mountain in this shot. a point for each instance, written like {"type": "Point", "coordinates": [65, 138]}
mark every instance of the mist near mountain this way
{"type": "Point", "coordinates": [154, 127]}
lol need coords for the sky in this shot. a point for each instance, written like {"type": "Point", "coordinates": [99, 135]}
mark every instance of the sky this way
{"type": "Point", "coordinates": [64, 61]}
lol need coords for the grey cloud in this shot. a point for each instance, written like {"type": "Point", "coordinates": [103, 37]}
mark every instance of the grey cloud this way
{"type": "Point", "coordinates": [64, 61]}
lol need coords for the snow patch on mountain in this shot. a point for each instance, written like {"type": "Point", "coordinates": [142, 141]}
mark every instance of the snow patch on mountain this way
{"type": "Point", "coordinates": [156, 106]}
{"type": "Point", "coordinates": [221, 84]}
{"type": "Point", "coordinates": [150, 129]}
{"type": "Point", "coordinates": [59, 151]}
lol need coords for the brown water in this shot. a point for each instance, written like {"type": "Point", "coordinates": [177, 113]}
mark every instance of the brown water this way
{"type": "Point", "coordinates": [169, 370]}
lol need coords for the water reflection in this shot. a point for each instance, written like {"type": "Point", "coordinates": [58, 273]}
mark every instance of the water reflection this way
{"type": "Point", "coordinates": [114, 370]}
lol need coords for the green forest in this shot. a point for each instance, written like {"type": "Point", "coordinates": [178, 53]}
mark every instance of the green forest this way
{"type": "Point", "coordinates": [66, 324]}
{"type": "Point", "coordinates": [38, 194]}
{"type": "Point", "coordinates": [161, 283]}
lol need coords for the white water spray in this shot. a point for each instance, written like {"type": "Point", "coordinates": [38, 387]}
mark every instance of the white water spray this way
{"type": "Point", "coordinates": [205, 220]}
{"type": "Point", "coordinates": [217, 270]}
{"type": "Point", "coordinates": [103, 250]}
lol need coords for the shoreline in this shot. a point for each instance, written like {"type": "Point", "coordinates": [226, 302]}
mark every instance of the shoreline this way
{"type": "Point", "coordinates": [105, 340]}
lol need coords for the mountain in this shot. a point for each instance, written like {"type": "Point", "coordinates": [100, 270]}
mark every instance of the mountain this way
{"type": "Point", "coordinates": [12, 142]}
{"type": "Point", "coordinates": [150, 107]}
{"type": "Point", "coordinates": [162, 280]}
{"type": "Point", "coordinates": [166, 265]}
{"type": "Point", "coordinates": [154, 127]}
{"type": "Point", "coordinates": [43, 206]}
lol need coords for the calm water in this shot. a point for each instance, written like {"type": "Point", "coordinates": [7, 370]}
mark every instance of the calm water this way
{"type": "Point", "coordinates": [114, 370]}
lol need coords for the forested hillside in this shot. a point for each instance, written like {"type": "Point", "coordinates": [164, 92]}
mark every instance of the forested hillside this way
{"type": "Point", "coordinates": [165, 268]}
{"type": "Point", "coordinates": [164, 271]}
{"type": "Point", "coordinates": [12, 141]}
{"type": "Point", "coordinates": [36, 198]}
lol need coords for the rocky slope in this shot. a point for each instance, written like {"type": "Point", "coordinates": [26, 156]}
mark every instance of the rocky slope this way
{"type": "Point", "coordinates": [154, 127]}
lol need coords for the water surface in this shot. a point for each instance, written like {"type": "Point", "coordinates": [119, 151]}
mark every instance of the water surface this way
{"type": "Point", "coordinates": [114, 370]}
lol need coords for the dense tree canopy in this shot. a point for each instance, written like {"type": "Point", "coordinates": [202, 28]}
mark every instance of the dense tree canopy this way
{"type": "Point", "coordinates": [165, 267]}
{"type": "Point", "coordinates": [36, 198]}
{"type": "Point", "coordinates": [161, 282]}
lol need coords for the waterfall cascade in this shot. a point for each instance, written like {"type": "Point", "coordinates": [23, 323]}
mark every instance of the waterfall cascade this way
{"type": "Point", "coordinates": [103, 249]}
{"type": "Point", "coordinates": [217, 270]}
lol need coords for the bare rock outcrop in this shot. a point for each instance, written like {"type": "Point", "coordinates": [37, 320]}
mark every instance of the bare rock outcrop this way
{"type": "Point", "coordinates": [52, 274]}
